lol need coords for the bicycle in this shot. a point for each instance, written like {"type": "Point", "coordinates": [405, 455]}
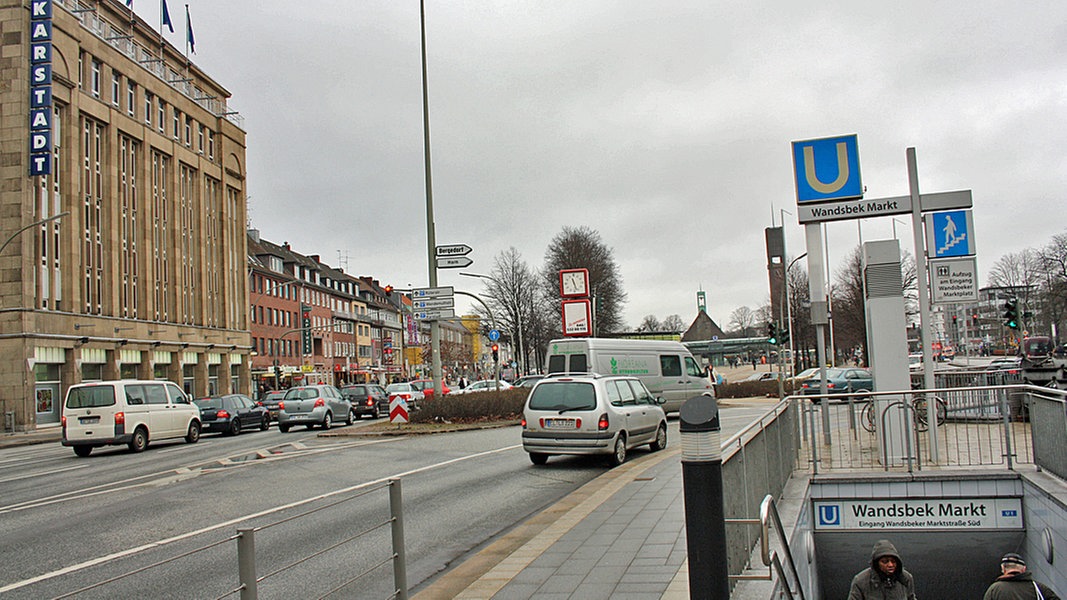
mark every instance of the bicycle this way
{"type": "Point", "coordinates": [920, 416]}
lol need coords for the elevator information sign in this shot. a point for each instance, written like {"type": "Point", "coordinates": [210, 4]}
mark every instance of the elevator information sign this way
{"type": "Point", "coordinates": [944, 513]}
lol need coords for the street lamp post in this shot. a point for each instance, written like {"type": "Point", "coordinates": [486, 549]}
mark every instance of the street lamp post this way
{"type": "Point", "coordinates": [518, 317]}
{"type": "Point", "coordinates": [789, 324]}
{"type": "Point", "coordinates": [34, 224]}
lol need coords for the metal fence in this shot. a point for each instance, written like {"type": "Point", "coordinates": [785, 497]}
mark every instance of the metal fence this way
{"type": "Point", "coordinates": [976, 425]}
{"type": "Point", "coordinates": [247, 566]}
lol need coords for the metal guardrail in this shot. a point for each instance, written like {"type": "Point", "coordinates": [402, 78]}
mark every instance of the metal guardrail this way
{"type": "Point", "coordinates": [246, 551]}
{"type": "Point", "coordinates": [787, 581]}
{"type": "Point", "coordinates": [979, 425]}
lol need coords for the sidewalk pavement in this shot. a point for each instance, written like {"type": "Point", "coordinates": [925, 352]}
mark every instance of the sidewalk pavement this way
{"type": "Point", "coordinates": [42, 435]}
{"type": "Point", "coordinates": [620, 536]}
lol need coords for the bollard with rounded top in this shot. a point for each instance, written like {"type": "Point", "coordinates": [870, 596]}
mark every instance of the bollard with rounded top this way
{"type": "Point", "coordinates": [705, 518]}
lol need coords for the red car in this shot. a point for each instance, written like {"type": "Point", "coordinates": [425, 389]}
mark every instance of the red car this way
{"type": "Point", "coordinates": [427, 388]}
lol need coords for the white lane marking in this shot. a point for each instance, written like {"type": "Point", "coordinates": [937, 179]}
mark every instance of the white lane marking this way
{"type": "Point", "coordinates": [116, 555]}
{"type": "Point", "coordinates": [153, 478]}
{"type": "Point", "coordinates": [42, 473]}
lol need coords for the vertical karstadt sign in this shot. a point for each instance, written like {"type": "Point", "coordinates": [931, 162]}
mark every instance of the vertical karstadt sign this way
{"type": "Point", "coordinates": [41, 87]}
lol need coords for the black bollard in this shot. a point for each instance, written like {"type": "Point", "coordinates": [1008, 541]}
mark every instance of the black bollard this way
{"type": "Point", "coordinates": [705, 517]}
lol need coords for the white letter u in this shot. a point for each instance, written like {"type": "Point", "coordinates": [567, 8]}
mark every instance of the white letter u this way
{"type": "Point", "coordinates": [842, 170]}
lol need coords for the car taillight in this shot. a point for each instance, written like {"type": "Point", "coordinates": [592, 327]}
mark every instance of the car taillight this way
{"type": "Point", "coordinates": [281, 406]}
{"type": "Point", "coordinates": [259, 404]}
{"type": "Point", "coordinates": [63, 421]}
{"type": "Point", "coordinates": [320, 402]}
{"type": "Point", "coordinates": [602, 422]}
{"type": "Point", "coordinates": [222, 414]}
{"type": "Point", "coordinates": [370, 401]}
{"type": "Point", "coordinates": [120, 418]}
{"type": "Point", "coordinates": [523, 422]}
{"type": "Point", "coordinates": [829, 385]}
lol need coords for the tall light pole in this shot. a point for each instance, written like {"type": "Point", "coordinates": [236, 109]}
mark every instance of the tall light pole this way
{"type": "Point", "coordinates": [431, 236]}
{"type": "Point", "coordinates": [789, 311]}
{"type": "Point", "coordinates": [34, 224]}
{"type": "Point", "coordinates": [518, 317]}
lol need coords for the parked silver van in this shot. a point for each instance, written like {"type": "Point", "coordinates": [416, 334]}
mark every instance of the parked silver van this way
{"type": "Point", "coordinates": [131, 412]}
{"type": "Point", "coordinates": [666, 368]}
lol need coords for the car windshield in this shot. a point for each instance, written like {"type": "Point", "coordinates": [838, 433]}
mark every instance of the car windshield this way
{"type": "Point", "coordinates": [398, 387]}
{"type": "Point", "coordinates": [209, 403]}
{"type": "Point", "coordinates": [356, 390]}
{"type": "Point", "coordinates": [564, 395]}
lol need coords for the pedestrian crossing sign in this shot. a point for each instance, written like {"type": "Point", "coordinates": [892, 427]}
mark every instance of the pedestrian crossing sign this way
{"type": "Point", "coordinates": [950, 233]}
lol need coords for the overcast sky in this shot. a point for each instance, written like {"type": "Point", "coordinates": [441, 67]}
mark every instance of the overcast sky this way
{"type": "Point", "coordinates": [665, 126]}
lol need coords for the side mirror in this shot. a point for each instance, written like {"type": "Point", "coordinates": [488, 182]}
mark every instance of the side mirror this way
{"type": "Point", "coordinates": [660, 400]}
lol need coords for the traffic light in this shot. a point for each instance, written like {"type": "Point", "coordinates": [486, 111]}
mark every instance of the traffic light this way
{"type": "Point", "coordinates": [772, 333]}
{"type": "Point", "coordinates": [388, 290]}
{"type": "Point", "coordinates": [1011, 313]}
{"type": "Point", "coordinates": [955, 322]}
{"type": "Point", "coordinates": [496, 352]}
{"type": "Point", "coordinates": [783, 336]}
{"type": "Point", "coordinates": [974, 319]}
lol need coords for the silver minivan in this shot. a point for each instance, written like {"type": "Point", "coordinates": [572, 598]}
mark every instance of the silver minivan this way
{"type": "Point", "coordinates": [666, 368]}
{"type": "Point", "coordinates": [128, 411]}
{"type": "Point", "coordinates": [591, 414]}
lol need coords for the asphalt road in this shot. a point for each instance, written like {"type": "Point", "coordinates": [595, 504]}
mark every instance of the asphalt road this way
{"type": "Point", "coordinates": [67, 523]}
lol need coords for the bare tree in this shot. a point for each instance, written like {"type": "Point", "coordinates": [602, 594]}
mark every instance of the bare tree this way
{"type": "Point", "coordinates": [581, 247]}
{"type": "Point", "coordinates": [742, 320]}
{"type": "Point", "coordinates": [649, 323]}
{"type": "Point", "coordinates": [673, 324]}
{"type": "Point", "coordinates": [850, 305]}
{"type": "Point", "coordinates": [1054, 273]}
{"type": "Point", "coordinates": [512, 293]}
{"type": "Point", "coordinates": [1020, 271]}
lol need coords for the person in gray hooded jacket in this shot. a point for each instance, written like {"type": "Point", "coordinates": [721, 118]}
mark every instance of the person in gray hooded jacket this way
{"type": "Point", "coordinates": [885, 579]}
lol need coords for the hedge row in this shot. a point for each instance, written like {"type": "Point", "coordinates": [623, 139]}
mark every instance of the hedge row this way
{"type": "Point", "coordinates": [477, 406]}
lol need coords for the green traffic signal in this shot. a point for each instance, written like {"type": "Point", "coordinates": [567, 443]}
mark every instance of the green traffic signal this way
{"type": "Point", "coordinates": [772, 333]}
{"type": "Point", "coordinates": [1011, 313]}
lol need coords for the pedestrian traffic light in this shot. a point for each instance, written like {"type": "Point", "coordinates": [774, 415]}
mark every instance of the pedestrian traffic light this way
{"type": "Point", "coordinates": [772, 333]}
{"type": "Point", "coordinates": [1011, 313]}
{"type": "Point", "coordinates": [496, 352]}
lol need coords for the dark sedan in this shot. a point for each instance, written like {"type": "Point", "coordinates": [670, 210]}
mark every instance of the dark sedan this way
{"type": "Point", "coordinates": [271, 400]}
{"type": "Point", "coordinates": [367, 399]}
{"type": "Point", "coordinates": [232, 413]}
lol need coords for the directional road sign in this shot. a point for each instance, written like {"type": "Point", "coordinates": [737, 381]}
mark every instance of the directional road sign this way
{"type": "Point", "coordinates": [433, 315]}
{"type": "Point", "coordinates": [434, 292]}
{"type": "Point", "coordinates": [448, 302]}
{"type": "Point", "coordinates": [454, 250]}
{"type": "Point", "coordinates": [494, 335]}
{"type": "Point", "coordinates": [453, 262]}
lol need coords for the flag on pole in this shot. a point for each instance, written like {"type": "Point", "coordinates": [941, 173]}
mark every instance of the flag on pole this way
{"type": "Point", "coordinates": [129, 4]}
{"type": "Point", "coordinates": [166, 18]}
{"type": "Point", "coordinates": [189, 28]}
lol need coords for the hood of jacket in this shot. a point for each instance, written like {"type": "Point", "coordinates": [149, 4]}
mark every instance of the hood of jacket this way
{"type": "Point", "coordinates": [883, 548]}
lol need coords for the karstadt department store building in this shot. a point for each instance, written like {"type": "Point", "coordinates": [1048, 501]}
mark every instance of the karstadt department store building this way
{"type": "Point", "coordinates": [123, 205]}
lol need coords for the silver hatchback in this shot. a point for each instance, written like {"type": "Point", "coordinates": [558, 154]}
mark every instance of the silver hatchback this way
{"type": "Point", "coordinates": [313, 405]}
{"type": "Point", "coordinates": [591, 414]}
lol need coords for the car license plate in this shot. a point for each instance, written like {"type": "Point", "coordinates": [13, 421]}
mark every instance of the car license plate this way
{"type": "Point", "coordinates": [559, 423]}
{"type": "Point", "coordinates": [88, 420]}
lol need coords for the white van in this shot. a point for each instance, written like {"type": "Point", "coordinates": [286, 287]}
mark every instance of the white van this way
{"type": "Point", "coordinates": [127, 412]}
{"type": "Point", "coordinates": [666, 368]}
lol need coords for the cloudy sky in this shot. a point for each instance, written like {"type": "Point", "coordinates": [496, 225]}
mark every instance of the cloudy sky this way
{"type": "Point", "coordinates": [665, 126]}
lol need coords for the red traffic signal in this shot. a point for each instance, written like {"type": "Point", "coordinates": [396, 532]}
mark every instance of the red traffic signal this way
{"type": "Point", "coordinates": [496, 351]}
{"type": "Point", "coordinates": [388, 289]}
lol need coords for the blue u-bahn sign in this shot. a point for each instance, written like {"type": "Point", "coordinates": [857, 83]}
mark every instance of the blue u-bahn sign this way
{"type": "Point", "coordinates": [827, 169]}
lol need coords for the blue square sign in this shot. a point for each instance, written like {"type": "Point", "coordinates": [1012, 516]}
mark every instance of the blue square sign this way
{"type": "Point", "coordinates": [827, 169]}
{"type": "Point", "coordinates": [950, 233]}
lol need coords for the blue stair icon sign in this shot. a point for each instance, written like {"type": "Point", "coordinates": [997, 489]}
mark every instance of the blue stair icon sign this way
{"type": "Point", "coordinates": [950, 233]}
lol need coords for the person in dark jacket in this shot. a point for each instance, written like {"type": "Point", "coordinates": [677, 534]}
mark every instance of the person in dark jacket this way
{"type": "Point", "coordinates": [885, 579]}
{"type": "Point", "coordinates": [1015, 583]}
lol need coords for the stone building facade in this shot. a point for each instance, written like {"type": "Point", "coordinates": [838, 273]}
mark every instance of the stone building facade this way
{"type": "Point", "coordinates": [122, 211]}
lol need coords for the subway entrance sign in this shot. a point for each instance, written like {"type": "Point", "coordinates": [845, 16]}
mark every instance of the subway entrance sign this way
{"type": "Point", "coordinates": [827, 169]}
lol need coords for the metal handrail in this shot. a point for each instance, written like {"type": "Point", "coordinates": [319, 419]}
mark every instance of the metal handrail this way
{"type": "Point", "coordinates": [768, 511]}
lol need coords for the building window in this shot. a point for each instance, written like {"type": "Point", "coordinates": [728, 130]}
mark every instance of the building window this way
{"type": "Point", "coordinates": [129, 264]}
{"type": "Point", "coordinates": [188, 208]}
{"type": "Point", "coordinates": [161, 113]}
{"type": "Point", "coordinates": [116, 89]}
{"type": "Point", "coordinates": [92, 215]}
{"type": "Point", "coordinates": [211, 244]}
{"type": "Point", "coordinates": [188, 132]}
{"type": "Point", "coordinates": [47, 200]}
{"type": "Point", "coordinates": [94, 80]}
{"type": "Point", "coordinates": [200, 138]}
{"type": "Point", "coordinates": [160, 230]}
{"type": "Point", "coordinates": [211, 145]}
{"type": "Point", "coordinates": [131, 96]}
{"type": "Point", "coordinates": [175, 122]}
{"type": "Point", "coordinates": [149, 100]}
